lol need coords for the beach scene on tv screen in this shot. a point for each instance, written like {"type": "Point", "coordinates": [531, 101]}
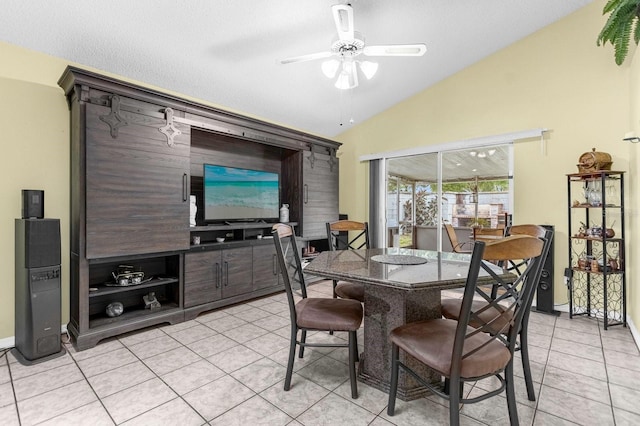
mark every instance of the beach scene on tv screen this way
{"type": "Point", "coordinates": [233, 193]}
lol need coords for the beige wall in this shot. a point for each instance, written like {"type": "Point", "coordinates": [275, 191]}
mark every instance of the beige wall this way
{"type": "Point", "coordinates": [35, 155]}
{"type": "Point", "coordinates": [556, 78]}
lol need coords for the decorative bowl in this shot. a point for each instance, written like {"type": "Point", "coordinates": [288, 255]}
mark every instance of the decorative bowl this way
{"type": "Point", "coordinates": [220, 239]}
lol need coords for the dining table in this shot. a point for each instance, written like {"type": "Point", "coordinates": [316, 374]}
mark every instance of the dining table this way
{"type": "Point", "coordinates": [400, 286]}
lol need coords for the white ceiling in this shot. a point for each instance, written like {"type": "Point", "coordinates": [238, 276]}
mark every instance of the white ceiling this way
{"type": "Point", "coordinates": [227, 51]}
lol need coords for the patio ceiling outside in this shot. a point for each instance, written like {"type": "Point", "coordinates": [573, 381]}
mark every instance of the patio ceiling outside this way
{"type": "Point", "coordinates": [458, 166]}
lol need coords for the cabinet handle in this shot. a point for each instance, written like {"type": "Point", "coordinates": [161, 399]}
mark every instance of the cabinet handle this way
{"type": "Point", "coordinates": [226, 278]}
{"type": "Point", "coordinates": [185, 196]}
{"type": "Point", "coordinates": [218, 277]}
{"type": "Point", "coordinates": [306, 193]}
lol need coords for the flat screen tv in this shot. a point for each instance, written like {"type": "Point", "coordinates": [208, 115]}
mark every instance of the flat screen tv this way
{"type": "Point", "coordinates": [232, 193]}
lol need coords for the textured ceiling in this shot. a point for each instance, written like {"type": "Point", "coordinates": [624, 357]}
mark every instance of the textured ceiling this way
{"type": "Point", "coordinates": [226, 51]}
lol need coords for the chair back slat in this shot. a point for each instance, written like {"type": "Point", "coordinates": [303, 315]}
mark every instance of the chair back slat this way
{"type": "Point", "coordinates": [289, 262]}
{"type": "Point", "coordinates": [356, 235]}
{"type": "Point", "coordinates": [527, 229]}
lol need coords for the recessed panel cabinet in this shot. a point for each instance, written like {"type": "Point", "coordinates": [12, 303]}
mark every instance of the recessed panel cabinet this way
{"type": "Point", "coordinates": [217, 274]}
{"type": "Point", "coordinates": [265, 267]}
{"type": "Point", "coordinates": [319, 193]}
{"type": "Point", "coordinates": [137, 185]}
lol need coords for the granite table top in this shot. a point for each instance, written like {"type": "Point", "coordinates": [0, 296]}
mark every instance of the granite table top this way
{"type": "Point", "coordinates": [442, 270]}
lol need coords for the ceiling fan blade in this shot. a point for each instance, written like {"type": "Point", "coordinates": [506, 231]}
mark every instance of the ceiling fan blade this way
{"type": "Point", "coordinates": [418, 49]}
{"type": "Point", "coordinates": [343, 15]}
{"type": "Point", "coordinates": [305, 58]}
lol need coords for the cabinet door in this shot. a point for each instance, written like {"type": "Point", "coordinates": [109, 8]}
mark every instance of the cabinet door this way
{"type": "Point", "coordinates": [237, 276]}
{"type": "Point", "coordinates": [265, 267]}
{"type": "Point", "coordinates": [137, 198]}
{"type": "Point", "coordinates": [319, 194]}
{"type": "Point", "coordinates": [202, 278]}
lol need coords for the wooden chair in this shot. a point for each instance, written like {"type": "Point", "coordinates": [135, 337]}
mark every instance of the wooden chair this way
{"type": "Point", "coordinates": [492, 233]}
{"type": "Point", "coordinates": [453, 238]}
{"type": "Point", "coordinates": [481, 343]}
{"type": "Point", "coordinates": [348, 235]}
{"type": "Point", "coordinates": [451, 307]}
{"type": "Point", "coordinates": [324, 314]}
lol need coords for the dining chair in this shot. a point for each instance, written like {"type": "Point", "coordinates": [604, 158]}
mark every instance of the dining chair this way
{"type": "Point", "coordinates": [478, 233]}
{"type": "Point", "coordinates": [348, 235]}
{"type": "Point", "coordinates": [539, 232]}
{"type": "Point", "coordinates": [458, 247]}
{"type": "Point", "coordinates": [481, 343]}
{"type": "Point", "coordinates": [313, 314]}
{"type": "Point", "coordinates": [451, 307]}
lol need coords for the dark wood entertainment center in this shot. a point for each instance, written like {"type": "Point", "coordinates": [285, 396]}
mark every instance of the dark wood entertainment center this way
{"type": "Point", "coordinates": [136, 156]}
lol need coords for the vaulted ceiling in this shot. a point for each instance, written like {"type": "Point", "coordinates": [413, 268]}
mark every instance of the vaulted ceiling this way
{"type": "Point", "coordinates": [227, 52]}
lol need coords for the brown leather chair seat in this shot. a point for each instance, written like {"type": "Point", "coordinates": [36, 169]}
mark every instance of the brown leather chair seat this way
{"type": "Point", "coordinates": [431, 342]}
{"type": "Point", "coordinates": [329, 314]}
{"type": "Point", "coordinates": [348, 290]}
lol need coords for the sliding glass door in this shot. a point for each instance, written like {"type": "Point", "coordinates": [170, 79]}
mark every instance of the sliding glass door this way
{"type": "Point", "coordinates": [469, 188]}
{"type": "Point", "coordinates": [412, 198]}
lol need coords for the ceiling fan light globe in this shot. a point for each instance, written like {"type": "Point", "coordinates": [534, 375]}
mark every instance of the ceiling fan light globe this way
{"type": "Point", "coordinates": [369, 69]}
{"type": "Point", "coordinates": [346, 81]}
{"type": "Point", "coordinates": [330, 67]}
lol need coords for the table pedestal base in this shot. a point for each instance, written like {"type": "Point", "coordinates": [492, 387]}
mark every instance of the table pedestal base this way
{"type": "Point", "coordinates": [386, 308]}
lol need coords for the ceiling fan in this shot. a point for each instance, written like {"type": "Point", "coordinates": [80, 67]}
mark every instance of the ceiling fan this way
{"type": "Point", "coordinates": [348, 47]}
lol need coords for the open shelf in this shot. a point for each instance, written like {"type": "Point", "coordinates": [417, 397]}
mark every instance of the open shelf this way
{"type": "Point", "coordinates": [106, 290]}
{"type": "Point", "coordinates": [99, 320]}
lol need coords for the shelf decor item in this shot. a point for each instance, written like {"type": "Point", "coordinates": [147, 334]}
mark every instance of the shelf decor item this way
{"type": "Point", "coordinates": [150, 301]}
{"type": "Point", "coordinates": [284, 213]}
{"type": "Point", "coordinates": [114, 309]}
{"type": "Point", "coordinates": [193, 209]}
{"type": "Point", "coordinates": [594, 161]}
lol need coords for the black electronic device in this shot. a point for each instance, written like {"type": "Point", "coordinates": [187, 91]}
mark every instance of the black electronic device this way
{"type": "Point", "coordinates": [544, 292]}
{"type": "Point", "coordinates": [37, 290]}
{"type": "Point", "coordinates": [32, 204]}
{"type": "Point", "coordinates": [37, 242]}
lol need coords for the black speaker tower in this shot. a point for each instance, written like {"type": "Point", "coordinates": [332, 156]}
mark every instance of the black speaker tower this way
{"type": "Point", "coordinates": [37, 295]}
{"type": "Point", "coordinates": [544, 292]}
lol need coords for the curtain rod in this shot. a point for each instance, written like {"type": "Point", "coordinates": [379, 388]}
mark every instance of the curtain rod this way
{"type": "Point", "coordinates": [461, 144]}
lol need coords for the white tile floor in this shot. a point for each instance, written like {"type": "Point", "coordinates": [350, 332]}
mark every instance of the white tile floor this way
{"type": "Point", "coordinates": [227, 367]}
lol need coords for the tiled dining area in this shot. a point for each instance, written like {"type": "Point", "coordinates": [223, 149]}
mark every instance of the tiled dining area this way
{"type": "Point", "coordinates": [227, 367]}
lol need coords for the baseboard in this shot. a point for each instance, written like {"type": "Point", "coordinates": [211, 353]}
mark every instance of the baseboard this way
{"type": "Point", "coordinates": [10, 342]}
{"type": "Point", "coordinates": [634, 331]}
{"type": "Point", "coordinates": [7, 342]}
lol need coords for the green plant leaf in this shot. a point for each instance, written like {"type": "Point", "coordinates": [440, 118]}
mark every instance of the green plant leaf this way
{"type": "Point", "coordinates": [621, 24]}
{"type": "Point", "coordinates": [621, 44]}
